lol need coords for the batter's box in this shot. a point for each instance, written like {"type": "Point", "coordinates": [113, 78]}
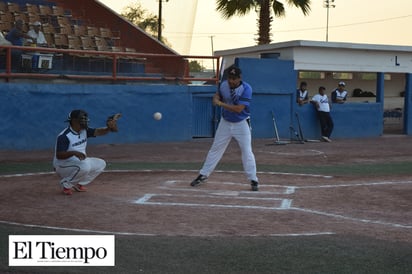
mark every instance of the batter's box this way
{"type": "Point", "coordinates": [226, 187]}
{"type": "Point", "coordinates": [214, 201]}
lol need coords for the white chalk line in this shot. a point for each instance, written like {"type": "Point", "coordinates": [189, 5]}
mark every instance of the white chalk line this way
{"type": "Point", "coordinates": [228, 193]}
{"type": "Point", "coordinates": [377, 222]}
{"type": "Point", "coordinates": [76, 229]}
{"type": "Point", "coordinates": [274, 173]}
{"type": "Point", "coordinates": [91, 231]}
{"type": "Point", "coordinates": [27, 174]}
{"type": "Point", "coordinates": [145, 200]}
{"type": "Point", "coordinates": [313, 152]}
{"type": "Point", "coordinates": [292, 189]}
{"type": "Point", "coordinates": [171, 185]}
{"type": "Point", "coordinates": [171, 170]}
{"type": "Point", "coordinates": [295, 174]}
{"type": "Point", "coordinates": [302, 234]}
{"type": "Point", "coordinates": [286, 204]}
{"type": "Point", "coordinates": [215, 197]}
{"type": "Point", "coordinates": [351, 218]}
{"type": "Point", "coordinates": [356, 184]}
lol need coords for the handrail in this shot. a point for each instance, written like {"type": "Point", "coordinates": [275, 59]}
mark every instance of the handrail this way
{"type": "Point", "coordinates": [114, 56]}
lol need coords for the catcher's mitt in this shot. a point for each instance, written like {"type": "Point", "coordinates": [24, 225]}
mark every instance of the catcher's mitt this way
{"type": "Point", "coordinates": [111, 122]}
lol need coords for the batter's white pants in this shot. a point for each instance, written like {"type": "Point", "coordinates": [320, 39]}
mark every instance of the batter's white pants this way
{"type": "Point", "coordinates": [224, 134]}
{"type": "Point", "coordinates": [75, 171]}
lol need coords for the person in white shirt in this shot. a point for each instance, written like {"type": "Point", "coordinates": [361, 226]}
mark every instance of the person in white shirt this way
{"type": "Point", "coordinates": [37, 36]}
{"type": "Point", "coordinates": [321, 102]}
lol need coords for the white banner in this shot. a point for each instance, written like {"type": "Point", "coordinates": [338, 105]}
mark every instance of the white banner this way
{"type": "Point", "coordinates": [61, 250]}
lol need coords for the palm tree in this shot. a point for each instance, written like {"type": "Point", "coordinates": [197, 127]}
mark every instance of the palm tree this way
{"type": "Point", "coordinates": [229, 8]}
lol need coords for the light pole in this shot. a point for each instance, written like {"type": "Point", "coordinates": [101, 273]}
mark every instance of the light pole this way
{"type": "Point", "coordinates": [159, 31]}
{"type": "Point", "coordinates": [211, 41]}
{"type": "Point", "coordinates": [328, 4]}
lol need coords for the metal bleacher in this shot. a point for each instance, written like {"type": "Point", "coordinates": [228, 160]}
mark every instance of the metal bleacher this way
{"type": "Point", "coordinates": [88, 41]}
{"type": "Point", "coordinates": [63, 30]}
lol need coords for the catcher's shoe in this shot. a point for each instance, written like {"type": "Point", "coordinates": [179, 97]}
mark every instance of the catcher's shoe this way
{"type": "Point", "coordinates": [79, 188]}
{"type": "Point", "coordinates": [67, 191]}
{"type": "Point", "coordinates": [254, 185]}
{"type": "Point", "coordinates": [199, 179]}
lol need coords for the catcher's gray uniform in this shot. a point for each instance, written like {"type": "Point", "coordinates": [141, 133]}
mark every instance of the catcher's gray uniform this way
{"type": "Point", "coordinates": [73, 170]}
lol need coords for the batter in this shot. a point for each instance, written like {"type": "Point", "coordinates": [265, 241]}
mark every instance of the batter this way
{"type": "Point", "coordinates": [234, 97]}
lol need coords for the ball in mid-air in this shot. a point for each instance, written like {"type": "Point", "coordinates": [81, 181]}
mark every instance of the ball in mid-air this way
{"type": "Point", "coordinates": [157, 116]}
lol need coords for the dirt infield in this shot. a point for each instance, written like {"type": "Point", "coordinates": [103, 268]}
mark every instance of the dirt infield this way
{"type": "Point", "coordinates": [321, 193]}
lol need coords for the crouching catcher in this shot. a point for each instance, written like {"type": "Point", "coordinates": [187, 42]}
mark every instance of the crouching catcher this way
{"type": "Point", "coordinates": [70, 161]}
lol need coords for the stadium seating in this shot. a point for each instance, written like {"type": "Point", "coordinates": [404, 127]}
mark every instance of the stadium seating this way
{"type": "Point", "coordinates": [64, 29]}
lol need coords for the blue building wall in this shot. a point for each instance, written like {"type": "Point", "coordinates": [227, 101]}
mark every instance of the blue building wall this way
{"type": "Point", "coordinates": [33, 114]}
{"type": "Point", "coordinates": [274, 88]}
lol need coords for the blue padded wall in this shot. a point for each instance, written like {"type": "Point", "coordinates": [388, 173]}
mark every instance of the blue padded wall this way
{"type": "Point", "coordinates": [33, 114]}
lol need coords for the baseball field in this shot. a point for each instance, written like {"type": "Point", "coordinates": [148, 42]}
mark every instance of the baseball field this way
{"type": "Point", "coordinates": [340, 207]}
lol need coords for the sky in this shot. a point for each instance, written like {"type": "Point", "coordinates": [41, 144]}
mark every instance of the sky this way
{"type": "Point", "coordinates": [194, 27]}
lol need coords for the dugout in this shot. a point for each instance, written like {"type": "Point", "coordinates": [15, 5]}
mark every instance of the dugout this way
{"type": "Point", "coordinates": [380, 72]}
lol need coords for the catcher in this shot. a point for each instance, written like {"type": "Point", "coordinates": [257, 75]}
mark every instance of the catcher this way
{"type": "Point", "coordinates": [70, 159]}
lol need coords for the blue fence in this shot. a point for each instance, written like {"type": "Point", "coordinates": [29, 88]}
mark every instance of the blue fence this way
{"type": "Point", "coordinates": [33, 114]}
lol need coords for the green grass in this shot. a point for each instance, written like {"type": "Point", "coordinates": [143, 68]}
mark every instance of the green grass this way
{"type": "Point", "coordinates": [15, 168]}
{"type": "Point", "coordinates": [398, 168]}
{"type": "Point", "coordinates": [177, 254]}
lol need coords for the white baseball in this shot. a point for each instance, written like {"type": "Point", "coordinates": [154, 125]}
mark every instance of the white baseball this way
{"type": "Point", "coordinates": [157, 116]}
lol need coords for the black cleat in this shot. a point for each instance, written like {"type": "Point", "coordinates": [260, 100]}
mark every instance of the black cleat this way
{"type": "Point", "coordinates": [199, 179]}
{"type": "Point", "coordinates": [255, 185]}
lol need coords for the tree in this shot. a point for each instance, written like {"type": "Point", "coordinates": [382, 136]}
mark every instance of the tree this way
{"type": "Point", "coordinates": [140, 17]}
{"type": "Point", "coordinates": [195, 66]}
{"type": "Point", "coordinates": [229, 8]}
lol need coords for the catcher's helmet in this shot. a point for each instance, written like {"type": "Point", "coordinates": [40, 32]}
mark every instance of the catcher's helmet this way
{"type": "Point", "coordinates": [79, 115]}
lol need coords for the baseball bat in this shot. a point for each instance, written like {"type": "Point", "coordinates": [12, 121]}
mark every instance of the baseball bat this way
{"type": "Point", "coordinates": [292, 129]}
{"type": "Point", "coordinates": [277, 139]}
{"type": "Point", "coordinates": [301, 131]}
{"type": "Point", "coordinates": [302, 138]}
{"type": "Point", "coordinates": [216, 111]}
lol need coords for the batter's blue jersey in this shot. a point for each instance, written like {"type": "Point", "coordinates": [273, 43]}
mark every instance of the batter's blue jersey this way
{"type": "Point", "coordinates": [243, 96]}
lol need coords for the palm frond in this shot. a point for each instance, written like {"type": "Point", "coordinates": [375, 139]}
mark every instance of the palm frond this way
{"type": "Point", "coordinates": [229, 8]}
{"type": "Point", "coordinates": [304, 5]}
{"type": "Point", "coordinates": [278, 9]}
